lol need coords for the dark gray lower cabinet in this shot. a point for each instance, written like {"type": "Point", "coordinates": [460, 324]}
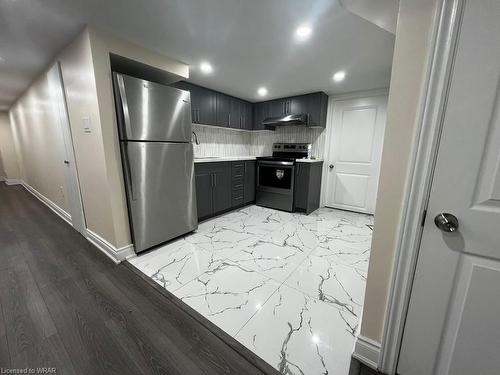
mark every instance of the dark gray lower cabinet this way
{"type": "Point", "coordinates": [307, 186]}
{"type": "Point", "coordinates": [204, 189]}
{"type": "Point", "coordinates": [213, 188]}
{"type": "Point", "coordinates": [221, 186]}
{"type": "Point", "coordinates": [249, 189]}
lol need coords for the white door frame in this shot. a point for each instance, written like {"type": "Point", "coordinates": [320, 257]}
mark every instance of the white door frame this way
{"type": "Point", "coordinates": [328, 153]}
{"type": "Point", "coordinates": [431, 113]}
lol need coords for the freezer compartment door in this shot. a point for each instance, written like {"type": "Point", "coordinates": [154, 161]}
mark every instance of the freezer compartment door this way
{"type": "Point", "coordinates": [149, 111]}
{"type": "Point", "coordinates": [159, 180]}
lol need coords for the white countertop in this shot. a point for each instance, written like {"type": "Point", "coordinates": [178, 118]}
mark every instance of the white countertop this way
{"type": "Point", "coordinates": [308, 160]}
{"type": "Point", "coordinates": [210, 159]}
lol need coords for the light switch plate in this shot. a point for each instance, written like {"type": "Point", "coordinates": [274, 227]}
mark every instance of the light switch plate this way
{"type": "Point", "coordinates": [86, 124]}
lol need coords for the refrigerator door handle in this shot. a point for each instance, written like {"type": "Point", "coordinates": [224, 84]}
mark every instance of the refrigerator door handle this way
{"type": "Point", "coordinates": [128, 171]}
{"type": "Point", "coordinates": [123, 99]}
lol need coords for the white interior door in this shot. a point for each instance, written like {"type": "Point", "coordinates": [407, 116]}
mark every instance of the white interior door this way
{"type": "Point", "coordinates": [72, 185]}
{"type": "Point", "coordinates": [354, 153]}
{"type": "Point", "coordinates": [452, 325]}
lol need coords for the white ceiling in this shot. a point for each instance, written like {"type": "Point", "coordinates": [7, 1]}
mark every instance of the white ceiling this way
{"type": "Point", "coordinates": [250, 43]}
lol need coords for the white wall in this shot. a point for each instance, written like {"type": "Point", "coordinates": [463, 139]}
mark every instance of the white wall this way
{"type": "Point", "coordinates": [37, 132]}
{"type": "Point", "coordinates": [86, 72]}
{"type": "Point", "coordinates": [7, 149]}
{"type": "Point", "coordinates": [408, 81]}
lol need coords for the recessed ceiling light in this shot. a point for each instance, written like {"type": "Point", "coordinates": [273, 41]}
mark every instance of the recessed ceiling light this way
{"type": "Point", "coordinates": [303, 32]}
{"type": "Point", "coordinates": [206, 68]}
{"type": "Point", "coordinates": [339, 76]}
{"type": "Point", "coordinates": [262, 91]}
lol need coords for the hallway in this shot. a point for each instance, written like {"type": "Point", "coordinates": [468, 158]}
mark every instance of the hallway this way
{"type": "Point", "coordinates": [64, 305]}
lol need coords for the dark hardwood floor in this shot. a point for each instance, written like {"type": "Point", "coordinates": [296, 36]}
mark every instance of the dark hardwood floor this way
{"type": "Point", "coordinates": [64, 305]}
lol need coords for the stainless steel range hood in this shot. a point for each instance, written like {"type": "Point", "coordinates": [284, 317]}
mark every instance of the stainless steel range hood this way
{"type": "Point", "coordinates": [300, 119]}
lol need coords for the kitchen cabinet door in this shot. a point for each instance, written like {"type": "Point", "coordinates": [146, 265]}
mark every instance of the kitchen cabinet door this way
{"type": "Point", "coordinates": [223, 108]}
{"type": "Point", "coordinates": [277, 107]}
{"type": "Point", "coordinates": [249, 188]}
{"type": "Point", "coordinates": [235, 113]}
{"type": "Point", "coordinates": [317, 106]}
{"type": "Point", "coordinates": [222, 186]}
{"type": "Point", "coordinates": [247, 122]}
{"type": "Point", "coordinates": [194, 97]}
{"type": "Point", "coordinates": [301, 186]}
{"type": "Point", "coordinates": [206, 103]}
{"type": "Point", "coordinates": [307, 186]}
{"type": "Point", "coordinates": [298, 105]}
{"type": "Point", "coordinates": [204, 204]}
{"type": "Point", "coordinates": [260, 113]}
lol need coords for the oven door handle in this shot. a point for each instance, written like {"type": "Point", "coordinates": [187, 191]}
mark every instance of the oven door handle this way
{"type": "Point", "coordinates": [290, 163]}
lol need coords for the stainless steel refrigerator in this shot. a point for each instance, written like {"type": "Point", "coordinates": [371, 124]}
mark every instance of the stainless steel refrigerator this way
{"type": "Point", "coordinates": [154, 123]}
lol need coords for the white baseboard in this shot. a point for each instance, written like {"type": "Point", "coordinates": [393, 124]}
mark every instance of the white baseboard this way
{"type": "Point", "coordinates": [54, 207]}
{"type": "Point", "coordinates": [367, 351]}
{"type": "Point", "coordinates": [13, 181]}
{"type": "Point", "coordinates": [116, 255]}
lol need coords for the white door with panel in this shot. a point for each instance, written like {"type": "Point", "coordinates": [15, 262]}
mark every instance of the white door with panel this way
{"type": "Point", "coordinates": [453, 321]}
{"type": "Point", "coordinates": [354, 151]}
{"type": "Point", "coordinates": [72, 186]}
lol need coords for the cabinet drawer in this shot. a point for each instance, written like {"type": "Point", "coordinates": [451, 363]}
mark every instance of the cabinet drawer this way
{"type": "Point", "coordinates": [237, 193]}
{"type": "Point", "coordinates": [238, 170]}
{"type": "Point", "coordinates": [238, 183]}
{"type": "Point", "coordinates": [237, 198]}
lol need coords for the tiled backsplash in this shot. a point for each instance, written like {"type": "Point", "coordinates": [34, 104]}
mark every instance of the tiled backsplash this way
{"type": "Point", "coordinates": [229, 142]}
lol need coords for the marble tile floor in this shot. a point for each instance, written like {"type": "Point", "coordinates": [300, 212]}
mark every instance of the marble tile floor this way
{"type": "Point", "coordinates": [289, 287]}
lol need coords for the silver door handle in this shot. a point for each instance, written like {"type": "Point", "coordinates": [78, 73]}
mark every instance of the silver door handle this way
{"type": "Point", "coordinates": [446, 222]}
{"type": "Point", "coordinates": [128, 171]}
{"type": "Point", "coordinates": [66, 162]}
{"type": "Point", "coordinates": [330, 166]}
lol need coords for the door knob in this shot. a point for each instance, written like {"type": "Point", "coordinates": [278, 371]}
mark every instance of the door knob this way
{"type": "Point", "coordinates": [330, 166]}
{"type": "Point", "coordinates": [446, 222]}
{"type": "Point", "coordinates": [66, 162]}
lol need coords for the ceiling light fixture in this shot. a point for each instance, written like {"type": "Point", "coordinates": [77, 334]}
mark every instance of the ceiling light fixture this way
{"type": "Point", "coordinates": [262, 91]}
{"type": "Point", "coordinates": [339, 76]}
{"type": "Point", "coordinates": [303, 32]}
{"type": "Point", "coordinates": [206, 68]}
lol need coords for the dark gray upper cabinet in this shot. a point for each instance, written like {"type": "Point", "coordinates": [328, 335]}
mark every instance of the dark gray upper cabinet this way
{"type": "Point", "coordinates": [276, 108]}
{"type": "Point", "coordinates": [235, 113]}
{"type": "Point", "coordinates": [317, 106]}
{"type": "Point", "coordinates": [314, 105]}
{"type": "Point", "coordinates": [248, 116]}
{"type": "Point", "coordinates": [203, 103]}
{"type": "Point", "coordinates": [260, 113]}
{"type": "Point", "coordinates": [223, 109]}
{"type": "Point", "coordinates": [215, 108]}
{"type": "Point", "coordinates": [298, 105]}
